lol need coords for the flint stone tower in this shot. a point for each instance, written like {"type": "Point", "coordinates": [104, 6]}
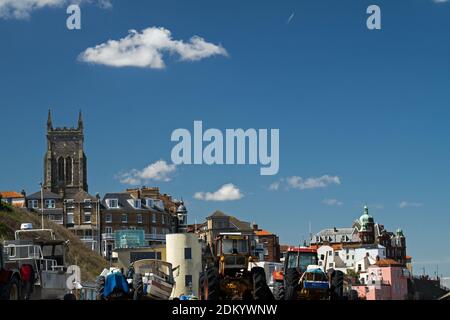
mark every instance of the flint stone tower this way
{"type": "Point", "coordinates": [65, 163]}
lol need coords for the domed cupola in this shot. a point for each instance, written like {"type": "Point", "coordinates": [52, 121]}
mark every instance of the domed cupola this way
{"type": "Point", "coordinates": [365, 219]}
{"type": "Point", "coordinates": [182, 217]}
{"type": "Point", "coordinates": [181, 208]}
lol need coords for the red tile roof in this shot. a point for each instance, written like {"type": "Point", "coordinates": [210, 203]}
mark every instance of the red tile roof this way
{"type": "Point", "coordinates": [10, 194]}
{"type": "Point", "coordinates": [263, 233]}
{"type": "Point", "coordinates": [387, 263]}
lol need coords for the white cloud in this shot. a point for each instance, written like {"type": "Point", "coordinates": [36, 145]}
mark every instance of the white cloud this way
{"type": "Point", "coordinates": [300, 183]}
{"type": "Point", "coordinates": [406, 204]}
{"type": "Point", "coordinates": [312, 183]}
{"type": "Point", "coordinates": [275, 186]}
{"type": "Point", "coordinates": [22, 9]}
{"type": "Point", "coordinates": [440, 1]}
{"type": "Point", "coordinates": [158, 171]}
{"type": "Point", "coordinates": [145, 49]}
{"type": "Point", "coordinates": [332, 202]}
{"type": "Point", "coordinates": [228, 192]}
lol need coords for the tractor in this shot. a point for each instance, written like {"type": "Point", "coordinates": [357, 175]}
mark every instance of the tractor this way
{"type": "Point", "coordinates": [303, 279]}
{"type": "Point", "coordinates": [112, 284]}
{"type": "Point", "coordinates": [146, 279]}
{"type": "Point", "coordinates": [10, 280]}
{"type": "Point", "coordinates": [232, 274]}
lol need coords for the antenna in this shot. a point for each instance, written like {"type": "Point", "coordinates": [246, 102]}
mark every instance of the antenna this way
{"type": "Point", "coordinates": [310, 232]}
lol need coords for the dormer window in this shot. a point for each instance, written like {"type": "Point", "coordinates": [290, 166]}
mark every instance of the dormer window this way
{"type": "Point", "coordinates": [50, 204]}
{"type": "Point", "coordinates": [33, 204]}
{"type": "Point", "coordinates": [137, 203]}
{"type": "Point", "coordinates": [87, 202]}
{"type": "Point", "coordinates": [113, 203]}
{"type": "Point", "coordinates": [149, 203]}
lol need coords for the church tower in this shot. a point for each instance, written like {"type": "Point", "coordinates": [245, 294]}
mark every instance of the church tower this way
{"type": "Point", "coordinates": [65, 164]}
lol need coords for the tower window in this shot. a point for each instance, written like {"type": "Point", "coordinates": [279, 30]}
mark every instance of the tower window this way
{"type": "Point", "coordinates": [187, 253]}
{"type": "Point", "coordinates": [61, 170]}
{"type": "Point", "coordinates": [188, 281]}
{"type": "Point", "coordinates": [68, 170]}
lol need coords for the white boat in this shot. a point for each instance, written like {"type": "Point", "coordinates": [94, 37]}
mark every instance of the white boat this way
{"type": "Point", "coordinates": [157, 279]}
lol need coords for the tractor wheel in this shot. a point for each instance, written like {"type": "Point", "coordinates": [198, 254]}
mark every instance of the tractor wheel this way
{"type": "Point", "coordinates": [100, 287]}
{"type": "Point", "coordinates": [11, 290]}
{"type": "Point", "coordinates": [292, 279]}
{"type": "Point", "coordinates": [337, 285]}
{"type": "Point", "coordinates": [212, 285]}
{"type": "Point", "coordinates": [278, 291]}
{"type": "Point", "coordinates": [261, 290]}
{"type": "Point", "coordinates": [138, 287]}
{"type": "Point", "coordinates": [201, 286]}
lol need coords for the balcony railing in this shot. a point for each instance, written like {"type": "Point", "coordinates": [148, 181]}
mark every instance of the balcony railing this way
{"type": "Point", "coordinates": [155, 237]}
{"type": "Point", "coordinates": [148, 237]}
{"type": "Point", "coordinates": [107, 236]}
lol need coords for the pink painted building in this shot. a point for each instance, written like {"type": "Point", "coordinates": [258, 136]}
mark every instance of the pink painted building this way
{"type": "Point", "coordinates": [385, 280]}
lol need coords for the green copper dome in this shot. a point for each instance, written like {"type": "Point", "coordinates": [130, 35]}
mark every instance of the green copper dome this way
{"type": "Point", "coordinates": [365, 219]}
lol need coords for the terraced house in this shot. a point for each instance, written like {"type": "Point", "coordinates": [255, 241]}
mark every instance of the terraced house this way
{"type": "Point", "coordinates": [139, 209]}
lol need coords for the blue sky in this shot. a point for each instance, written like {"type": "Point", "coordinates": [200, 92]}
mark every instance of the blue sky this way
{"type": "Point", "coordinates": [368, 107]}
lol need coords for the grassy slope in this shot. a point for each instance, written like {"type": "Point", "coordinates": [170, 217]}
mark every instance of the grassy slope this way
{"type": "Point", "coordinates": [91, 264]}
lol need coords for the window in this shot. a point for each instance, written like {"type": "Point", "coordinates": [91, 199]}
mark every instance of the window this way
{"type": "Point", "coordinates": [139, 218]}
{"type": "Point", "coordinates": [137, 203]}
{"type": "Point", "coordinates": [33, 204]}
{"type": "Point", "coordinates": [124, 218]}
{"type": "Point", "coordinates": [187, 253]}
{"type": "Point", "coordinates": [70, 203]}
{"type": "Point", "coordinates": [154, 217]}
{"type": "Point", "coordinates": [154, 230]}
{"type": "Point", "coordinates": [113, 203]}
{"type": "Point", "coordinates": [108, 218]}
{"type": "Point", "coordinates": [188, 281]}
{"type": "Point", "coordinates": [87, 203]}
{"type": "Point", "coordinates": [68, 170]}
{"type": "Point", "coordinates": [336, 254]}
{"type": "Point", "coordinates": [50, 204]}
{"type": "Point", "coordinates": [359, 267]}
{"type": "Point", "coordinates": [70, 218]}
{"type": "Point", "coordinates": [348, 257]}
{"type": "Point", "coordinates": [87, 217]}
{"type": "Point", "coordinates": [330, 253]}
{"type": "Point", "coordinates": [88, 234]}
{"type": "Point", "coordinates": [108, 230]}
{"type": "Point", "coordinates": [149, 202]}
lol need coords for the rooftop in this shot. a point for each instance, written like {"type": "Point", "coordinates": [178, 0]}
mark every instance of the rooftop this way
{"type": "Point", "coordinates": [10, 194]}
